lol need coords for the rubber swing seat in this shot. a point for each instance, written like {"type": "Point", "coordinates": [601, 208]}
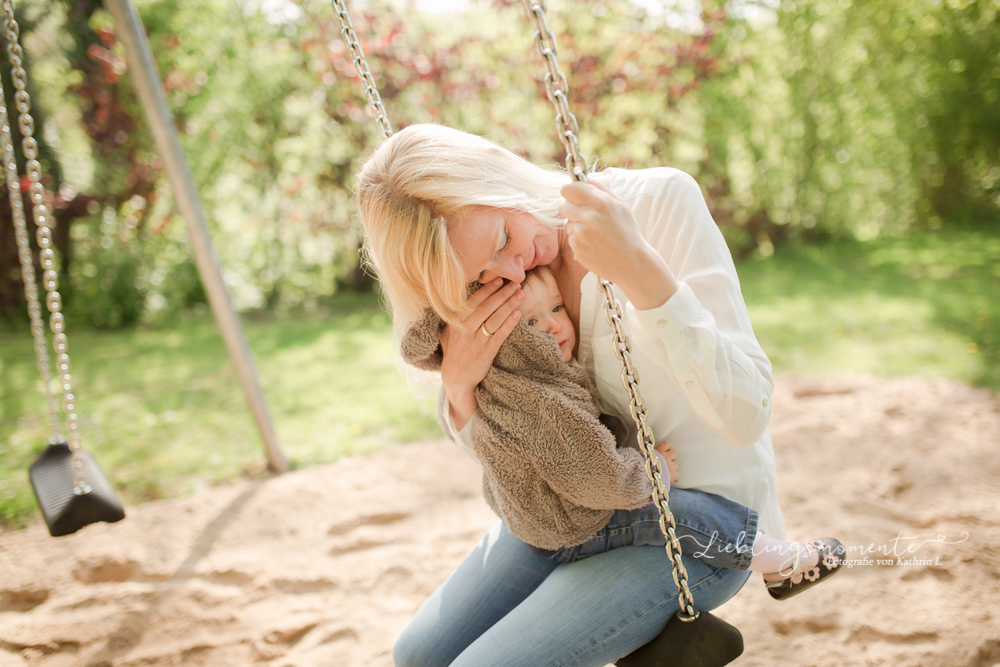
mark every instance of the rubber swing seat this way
{"type": "Point", "coordinates": [707, 641]}
{"type": "Point", "coordinates": [65, 510]}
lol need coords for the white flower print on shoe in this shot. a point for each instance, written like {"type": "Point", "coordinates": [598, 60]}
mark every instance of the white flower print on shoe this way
{"type": "Point", "coordinates": [831, 561]}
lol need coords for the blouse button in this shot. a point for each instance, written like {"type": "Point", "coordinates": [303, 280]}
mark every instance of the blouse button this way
{"type": "Point", "coordinates": [765, 402]}
{"type": "Point", "coordinates": [689, 384]}
{"type": "Point", "coordinates": [661, 324]}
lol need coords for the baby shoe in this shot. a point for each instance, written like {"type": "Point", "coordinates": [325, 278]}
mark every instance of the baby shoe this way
{"type": "Point", "coordinates": [831, 561]}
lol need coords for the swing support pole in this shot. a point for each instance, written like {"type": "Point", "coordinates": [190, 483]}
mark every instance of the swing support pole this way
{"type": "Point", "coordinates": [146, 80]}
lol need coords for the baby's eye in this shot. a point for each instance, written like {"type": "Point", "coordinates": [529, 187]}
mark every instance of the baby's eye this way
{"type": "Point", "coordinates": [557, 309]}
{"type": "Point", "coordinates": [532, 322]}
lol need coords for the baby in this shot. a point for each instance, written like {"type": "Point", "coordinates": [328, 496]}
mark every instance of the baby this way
{"type": "Point", "coordinates": [713, 529]}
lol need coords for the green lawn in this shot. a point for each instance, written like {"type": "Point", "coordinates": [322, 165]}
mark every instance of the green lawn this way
{"type": "Point", "coordinates": [920, 305]}
{"type": "Point", "coordinates": [164, 415]}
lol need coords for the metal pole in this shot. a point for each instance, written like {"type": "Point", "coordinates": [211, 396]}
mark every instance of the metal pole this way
{"type": "Point", "coordinates": [146, 79]}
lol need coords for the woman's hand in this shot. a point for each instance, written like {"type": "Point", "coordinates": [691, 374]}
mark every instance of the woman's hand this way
{"type": "Point", "coordinates": [468, 353]}
{"type": "Point", "coordinates": [666, 450]}
{"type": "Point", "coordinates": [605, 238]}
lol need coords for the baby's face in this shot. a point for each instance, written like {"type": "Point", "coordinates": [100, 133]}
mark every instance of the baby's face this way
{"type": "Point", "coordinates": [543, 309]}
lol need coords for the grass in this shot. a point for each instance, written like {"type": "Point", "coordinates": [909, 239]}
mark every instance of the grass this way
{"type": "Point", "coordinates": [164, 415]}
{"type": "Point", "coordinates": [918, 305]}
{"type": "Point", "coordinates": [162, 411]}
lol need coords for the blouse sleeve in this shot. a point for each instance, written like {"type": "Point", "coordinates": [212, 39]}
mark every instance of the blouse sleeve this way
{"type": "Point", "coordinates": [701, 337]}
{"type": "Point", "coordinates": [461, 437]}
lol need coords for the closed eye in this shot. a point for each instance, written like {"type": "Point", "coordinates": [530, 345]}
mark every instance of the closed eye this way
{"type": "Point", "coordinates": [506, 243]}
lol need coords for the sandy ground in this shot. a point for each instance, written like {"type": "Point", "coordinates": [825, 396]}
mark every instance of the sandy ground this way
{"type": "Point", "coordinates": [324, 566]}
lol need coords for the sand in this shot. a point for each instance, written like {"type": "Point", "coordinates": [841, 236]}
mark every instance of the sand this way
{"type": "Point", "coordinates": [324, 566]}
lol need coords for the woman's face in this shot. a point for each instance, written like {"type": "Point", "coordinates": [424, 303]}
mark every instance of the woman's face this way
{"type": "Point", "coordinates": [493, 242]}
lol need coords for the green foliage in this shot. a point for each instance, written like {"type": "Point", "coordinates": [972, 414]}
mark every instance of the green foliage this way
{"type": "Point", "coordinates": [903, 94]}
{"type": "Point", "coordinates": [815, 119]}
{"type": "Point", "coordinates": [123, 274]}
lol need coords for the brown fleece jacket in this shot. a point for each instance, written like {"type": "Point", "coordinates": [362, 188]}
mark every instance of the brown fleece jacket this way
{"type": "Point", "coordinates": [551, 470]}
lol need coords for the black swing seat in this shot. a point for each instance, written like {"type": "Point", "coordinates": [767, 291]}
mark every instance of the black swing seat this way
{"type": "Point", "coordinates": [707, 641]}
{"type": "Point", "coordinates": [65, 510]}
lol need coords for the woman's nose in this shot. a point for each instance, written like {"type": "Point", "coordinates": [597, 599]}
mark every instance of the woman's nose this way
{"type": "Point", "coordinates": [512, 269]}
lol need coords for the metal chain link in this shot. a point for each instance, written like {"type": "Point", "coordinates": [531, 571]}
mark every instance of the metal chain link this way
{"type": "Point", "coordinates": [557, 90]}
{"type": "Point", "coordinates": [566, 125]}
{"type": "Point", "coordinates": [361, 64]}
{"type": "Point", "coordinates": [50, 279]}
{"type": "Point", "coordinates": [24, 255]}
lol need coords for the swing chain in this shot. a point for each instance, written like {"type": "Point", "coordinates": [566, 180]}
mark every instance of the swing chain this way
{"type": "Point", "coordinates": [647, 444]}
{"type": "Point", "coordinates": [27, 264]}
{"type": "Point", "coordinates": [50, 279]}
{"type": "Point", "coordinates": [557, 90]}
{"type": "Point", "coordinates": [566, 125]}
{"type": "Point", "coordinates": [361, 64]}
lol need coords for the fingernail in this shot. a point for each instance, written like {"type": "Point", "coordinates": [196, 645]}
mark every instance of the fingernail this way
{"type": "Point", "coordinates": [520, 295]}
{"type": "Point", "coordinates": [498, 281]}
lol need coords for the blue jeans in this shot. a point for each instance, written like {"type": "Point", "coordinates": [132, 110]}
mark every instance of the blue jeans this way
{"type": "Point", "coordinates": [716, 531]}
{"type": "Point", "coordinates": [506, 606]}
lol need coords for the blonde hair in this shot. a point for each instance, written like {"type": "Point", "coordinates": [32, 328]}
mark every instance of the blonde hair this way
{"type": "Point", "coordinates": [409, 188]}
{"type": "Point", "coordinates": [539, 274]}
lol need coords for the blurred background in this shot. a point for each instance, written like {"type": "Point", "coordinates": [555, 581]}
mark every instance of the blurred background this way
{"type": "Point", "coordinates": [849, 151]}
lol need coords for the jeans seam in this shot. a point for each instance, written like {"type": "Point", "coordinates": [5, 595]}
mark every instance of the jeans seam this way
{"type": "Point", "coordinates": [747, 556]}
{"type": "Point", "coordinates": [615, 633]}
{"type": "Point", "coordinates": [672, 599]}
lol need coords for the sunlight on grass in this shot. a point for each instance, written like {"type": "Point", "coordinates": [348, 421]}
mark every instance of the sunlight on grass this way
{"type": "Point", "coordinates": [918, 305]}
{"type": "Point", "coordinates": [867, 333]}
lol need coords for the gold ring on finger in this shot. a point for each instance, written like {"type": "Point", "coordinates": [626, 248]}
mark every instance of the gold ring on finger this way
{"type": "Point", "coordinates": [485, 332]}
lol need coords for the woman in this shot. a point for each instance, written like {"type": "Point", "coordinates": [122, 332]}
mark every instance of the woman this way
{"type": "Point", "coordinates": [442, 209]}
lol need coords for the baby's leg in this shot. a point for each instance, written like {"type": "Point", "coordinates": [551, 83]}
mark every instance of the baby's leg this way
{"type": "Point", "coordinates": [716, 531]}
{"type": "Point", "coordinates": [778, 559]}
{"type": "Point", "coordinates": [719, 533]}
{"type": "Point", "coordinates": [722, 533]}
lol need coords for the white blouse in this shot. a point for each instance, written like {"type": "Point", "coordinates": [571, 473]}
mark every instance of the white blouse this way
{"type": "Point", "coordinates": [706, 382]}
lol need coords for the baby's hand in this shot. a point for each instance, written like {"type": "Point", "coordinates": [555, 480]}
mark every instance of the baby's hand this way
{"type": "Point", "coordinates": [667, 452]}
